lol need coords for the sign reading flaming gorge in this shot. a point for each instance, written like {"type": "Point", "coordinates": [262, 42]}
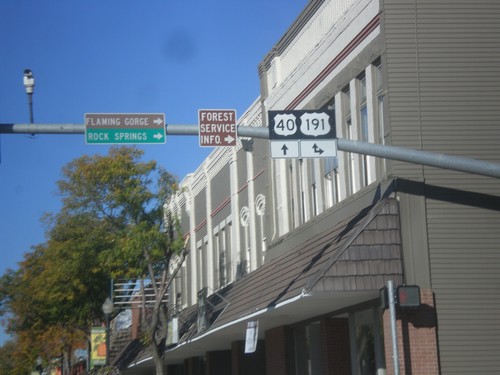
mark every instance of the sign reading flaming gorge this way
{"type": "Point", "coordinates": [119, 128]}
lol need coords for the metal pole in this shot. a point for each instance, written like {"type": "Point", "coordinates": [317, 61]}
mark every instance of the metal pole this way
{"type": "Point", "coordinates": [42, 129]}
{"type": "Point", "coordinates": [432, 159]}
{"type": "Point", "coordinates": [30, 103]}
{"type": "Point", "coordinates": [421, 157]}
{"type": "Point", "coordinates": [392, 310]}
{"type": "Point", "coordinates": [108, 319]}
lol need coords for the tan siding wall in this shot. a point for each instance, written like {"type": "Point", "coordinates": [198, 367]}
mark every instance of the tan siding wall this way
{"type": "Point", "coordinates": [443, 70]}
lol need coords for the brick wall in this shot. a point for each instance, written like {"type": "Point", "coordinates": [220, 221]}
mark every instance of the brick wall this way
{"type": "Point", "coordinates": [279, 351]}
{"type": "Point", "coordinates": [336, 346]}
{"type": "Point", "coordinates": [417, 338]}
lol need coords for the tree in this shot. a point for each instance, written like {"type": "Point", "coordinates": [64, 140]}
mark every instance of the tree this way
{"type": "Point", "coordinates": [10, 363]}
{"type": "Point", "coordinates": [117, 190]}
{"type": "Point", "coordinates": [112, 224]}
{"type": "Point", "coordinates": [52, 296]}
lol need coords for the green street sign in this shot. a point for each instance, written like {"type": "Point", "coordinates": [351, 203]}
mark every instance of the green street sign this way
{"type": "Point", "coordinates": [124, 128]}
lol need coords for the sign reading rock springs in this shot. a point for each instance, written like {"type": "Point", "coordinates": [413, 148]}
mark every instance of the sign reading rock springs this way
{"type": "Point", "coordinates": [120, 128]}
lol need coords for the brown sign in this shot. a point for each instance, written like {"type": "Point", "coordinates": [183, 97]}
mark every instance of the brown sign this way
{"type": "Point", "coordinates": [125, 120]}
{"type": "Point", "coordinates": [217, 127]}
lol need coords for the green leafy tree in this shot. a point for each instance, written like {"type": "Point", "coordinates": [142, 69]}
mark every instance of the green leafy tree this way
{"type": "Point", "coordinates": [10, 363]}
{"type": "Point", "coordinates": [112, 224]}
{"type": "Point", "coordinates": [52, 297]}
{"type": "Point", "coordinates": [118, 191]}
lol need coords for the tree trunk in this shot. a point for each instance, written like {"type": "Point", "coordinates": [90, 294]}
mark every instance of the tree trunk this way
{"type": "Point", "coordinates": [157, 359]}
{"type": "Point", "coordinates": [159, 368]}
{"type": "Point", "coordinates": [66, 360]}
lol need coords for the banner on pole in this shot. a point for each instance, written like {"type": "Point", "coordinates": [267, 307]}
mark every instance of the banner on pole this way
{"type": "Point", "coordinates": [251, 337]}
{"type": "Point", "coordinates": [98, 347]}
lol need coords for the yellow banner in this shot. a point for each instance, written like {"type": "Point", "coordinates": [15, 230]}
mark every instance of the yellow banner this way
{"type": "Point", "coordinates": [98, 347]}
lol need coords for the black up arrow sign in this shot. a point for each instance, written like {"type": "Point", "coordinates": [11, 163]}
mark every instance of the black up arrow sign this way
{"type": "Point", "coordinates": [317, 150]}
{"type": "Point", "coordinates": [284, 149]}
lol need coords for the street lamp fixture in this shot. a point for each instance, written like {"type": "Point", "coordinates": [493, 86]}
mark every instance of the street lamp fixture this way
{"type": "Point", "coordinates": [29, 84]}
{"type": "Point", "coordinates": [107, 309]}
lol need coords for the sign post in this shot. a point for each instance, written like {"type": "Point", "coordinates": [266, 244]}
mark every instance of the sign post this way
{"type": "Point", "coordinates": [302, 134]}
{"type": "Point", "coordinates": [217, 127]}
{"type": "Point", "coordinates": [120, 128]}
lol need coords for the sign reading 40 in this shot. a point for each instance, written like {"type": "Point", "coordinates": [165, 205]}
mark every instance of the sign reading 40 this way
{"type": "Point", "coordinates": [301, 124]}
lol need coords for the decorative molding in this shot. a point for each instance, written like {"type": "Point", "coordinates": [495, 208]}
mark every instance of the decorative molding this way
{"type": "Point", "coordinates": [260, 204]}
{"type": "Point", "coordinates": [245, 216]}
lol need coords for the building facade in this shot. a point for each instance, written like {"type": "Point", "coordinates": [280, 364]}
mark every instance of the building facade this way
{"type": "Point", "coordinates": [303, 246]}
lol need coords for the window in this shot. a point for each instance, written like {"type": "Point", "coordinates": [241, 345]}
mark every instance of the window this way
{"type": "Point", "coordinates": [205, 263]}
{"type": "Point", "coordinates": [331, 166]}
{"type": "Point", "coordinates": [230, 256]}
{"type": "Point", "coordinates": [223, 255]}
{"type": "Point", "coordinates": [380, 99]}
{"type": "Point", "coordinates": [199, 264]}
{"type": "Point", "coordinates": [294, 195]}
{"type": "Point", "coordinates": [260, 209]}
{"type": "Point", "coordinates": [379, 126]}
{"type": "Point", "coordinates": [363, 126]}
{"type": "Point", "coordinates": [219, 259]}
{"type": "Point", "coordinates": [245, 223]}
{"type": "Point", "coordinates": [222, 268]}
{"type": "Point", "coordinates": [364, 138]}
{"type": "Point", "coordinates": [315, 199]}
{"type": "Point", "coordinates": [304, 204]}
{"type": "Point", "coordinates": [367, 344]}
{"type": "Point", "coordinates": [308, 351]}
{"type": "Point", "coordinates": [332, 181]}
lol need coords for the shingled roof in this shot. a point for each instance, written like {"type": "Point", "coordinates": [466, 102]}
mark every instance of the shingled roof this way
{"type": "Point", "coordinates": [358, 254]}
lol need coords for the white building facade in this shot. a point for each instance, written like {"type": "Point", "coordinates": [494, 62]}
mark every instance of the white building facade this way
{"type": "Point", "coordinates": [303, 246]}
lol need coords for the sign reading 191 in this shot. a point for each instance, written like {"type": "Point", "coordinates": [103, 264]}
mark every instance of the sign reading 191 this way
{"type": "Point", "coordinates": [302, 133]}
{"type": "Point", "coordinates": [303, 124]}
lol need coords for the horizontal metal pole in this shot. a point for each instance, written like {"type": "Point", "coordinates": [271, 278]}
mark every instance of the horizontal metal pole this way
{"type": "Point", "coordinates": [182, 129]}
{"type": "Point", "coordinates": [431, 159]}
{"type": "Point", "coordinates": [243, 131]}
{"type": "Point", "coordinates": [42, 129]}
{"type": "Point", "coordinates": [250, 131]}
{"type": "Point", "coordinates": [383, 151]}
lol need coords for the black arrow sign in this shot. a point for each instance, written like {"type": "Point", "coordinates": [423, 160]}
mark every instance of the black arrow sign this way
{"type": "Point", "coordinates": [317, 150]}
{"type": "Point", "coordinates": [284, 149]}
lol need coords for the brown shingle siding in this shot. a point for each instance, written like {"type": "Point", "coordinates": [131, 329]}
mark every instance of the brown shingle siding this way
{"type": "Point", "coordinates": [358, 254]}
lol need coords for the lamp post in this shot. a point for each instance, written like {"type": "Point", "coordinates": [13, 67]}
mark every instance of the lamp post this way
{"type": "Point", "coordinates": [107, 309]}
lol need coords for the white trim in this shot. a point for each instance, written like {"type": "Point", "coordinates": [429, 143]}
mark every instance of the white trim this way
{"type": "Point", "coordinates": [242, 319]}
{"type": "Point", "coordinates": [227, 325]}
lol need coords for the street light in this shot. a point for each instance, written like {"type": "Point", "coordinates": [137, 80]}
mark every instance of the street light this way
{"type": "Point", "coordinates": [29, 84]}
{"type": "Point", "coordinates": [107, 309]}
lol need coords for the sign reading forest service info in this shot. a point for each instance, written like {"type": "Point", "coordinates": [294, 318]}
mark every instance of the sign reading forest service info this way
{"type": "Point", "coordinates": [119, 128]}
{"type": "Point", "coordinates": [302, 134]}
{"type": "Point", "coordinates": [217, 127]}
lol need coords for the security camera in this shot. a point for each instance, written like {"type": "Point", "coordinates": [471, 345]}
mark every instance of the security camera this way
{"type": "Point", "coordinates": [29, 81]}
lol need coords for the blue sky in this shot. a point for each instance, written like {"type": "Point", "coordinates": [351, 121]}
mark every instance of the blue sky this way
{"type": "Point", "coordinates": [118, 56]}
